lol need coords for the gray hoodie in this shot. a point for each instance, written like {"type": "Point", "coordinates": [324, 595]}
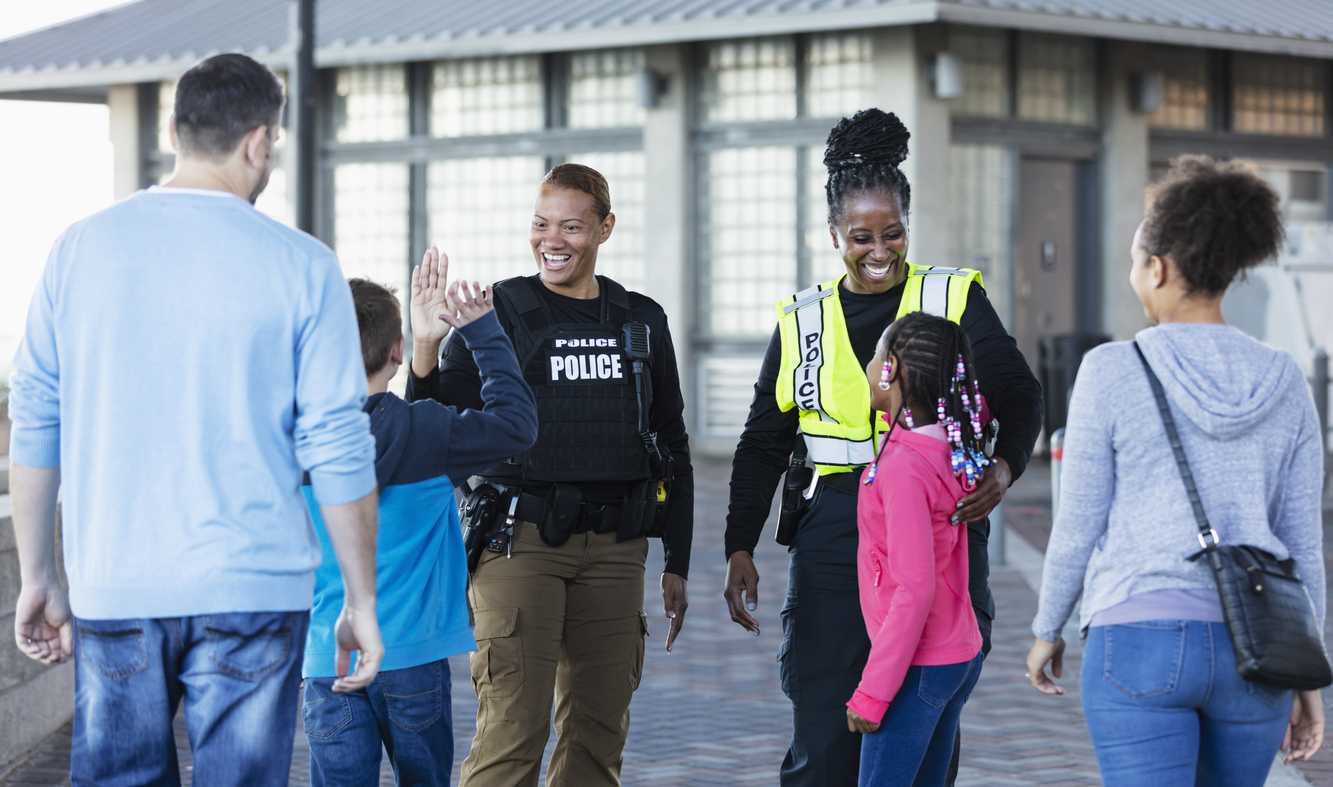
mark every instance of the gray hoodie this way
{"type": "Point", "coordinates": [1125, 527]}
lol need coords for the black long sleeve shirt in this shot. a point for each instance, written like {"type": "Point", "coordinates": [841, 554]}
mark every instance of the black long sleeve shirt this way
{"type": "Point", "coordinates": [1011, 392]}
{"type": "Point", "coordinates": [456, 382]}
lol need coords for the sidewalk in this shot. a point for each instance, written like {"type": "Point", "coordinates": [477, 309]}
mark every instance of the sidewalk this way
{"type": "Point", "coordinates": [713, 712]}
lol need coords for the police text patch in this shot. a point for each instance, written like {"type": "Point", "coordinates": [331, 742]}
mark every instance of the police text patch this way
{"type": "Point", "coordinates": [586, 362]}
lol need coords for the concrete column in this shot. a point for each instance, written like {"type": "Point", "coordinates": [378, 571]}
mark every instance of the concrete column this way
{"type": "Point", "coordinates": [1124, 177]}
{"type": "Point", "coordinates": [668, 208]}
{"type": "Point", "coordinates": [902, 86]}
{"type": "Point", "coordinates": [123, 103]}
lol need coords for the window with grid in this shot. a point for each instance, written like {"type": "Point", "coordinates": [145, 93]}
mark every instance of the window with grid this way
{"type": "Point", "coordinates": [984, 56]}
{"type": "Point", "coordinates": [747, 246]}
{"type": "Point", "coordinates": [748, 80]}
{"type": "Point", "coordinates": [370, 103]}
{"type": "Point", "coordinates": [1279, 95]}
{"type": "Point", "coordinates": [822, 262]}
{"type": "Point", "coordinates": [839, 74]}
{"type": "Point", "coordinates": [726, 385]}
{"type": "Point", "coordinates": [480, 210]}
{"type": "Point", "coordinates": [1057, 79]}
{"type": "Point", "coordinates": [980, 205]}
{"type": "Point", "coordinates": [370, 222]}
{"type": "Point", "coordinates": [622, 256]}
{"type": "Point", "coordinates": [487, 95]}
{"type": "Point", "coordinates": [604, 89]}
{"type": "Point", "coordinates": [1184, 88]}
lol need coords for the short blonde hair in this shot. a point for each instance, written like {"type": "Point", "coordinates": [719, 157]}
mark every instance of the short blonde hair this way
{"type": "Point", "coordinates": [577, 177]}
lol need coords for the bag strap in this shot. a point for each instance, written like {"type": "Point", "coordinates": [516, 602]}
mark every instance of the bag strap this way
{"type": "Point", "coordinates": [1178, 449]}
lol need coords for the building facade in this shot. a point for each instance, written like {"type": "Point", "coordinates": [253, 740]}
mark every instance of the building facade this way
{"type": "Point", "coordinates": [1035, 136]}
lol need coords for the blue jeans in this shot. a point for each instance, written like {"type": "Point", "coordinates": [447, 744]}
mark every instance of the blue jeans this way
{"type": "Point", "coordinates": [406, 710]}
{"type": "Point", "coordinates": [914, 742]}
{"type": "Point", "coordinates": [1165, 706]}
{"type": "Point", "coordinates": [238, 674]}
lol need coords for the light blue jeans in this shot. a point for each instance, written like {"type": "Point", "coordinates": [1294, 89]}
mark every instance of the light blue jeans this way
{"type": "Point", "coordinates": [1165, 706]}
{"type": "Point", "coordinates": [238, 674]}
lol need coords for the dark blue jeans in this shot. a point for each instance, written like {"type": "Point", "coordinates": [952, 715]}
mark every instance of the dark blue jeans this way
{"type": "Point", "coordinates": [237, 673]}
{"type": "Point", "coordinates": [915, 739]}
{"type": "Point", "coordinates": [1165, 706]}
{"type": "Point", "coordinates": [408, 711]}
{"type": "Point", "coordinates": [824, 641]}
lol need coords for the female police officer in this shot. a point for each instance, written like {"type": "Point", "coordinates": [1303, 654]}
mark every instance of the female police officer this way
{"type": "Point", "coordinates": [557, 592]}
{"type": "Point", "coordinates": [813, 377]}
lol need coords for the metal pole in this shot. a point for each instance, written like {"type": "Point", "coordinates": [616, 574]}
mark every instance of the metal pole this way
{"type": "Point", "coordinates": [1320, 385]}
{"type": "Point", "coordinates": [302, 100]}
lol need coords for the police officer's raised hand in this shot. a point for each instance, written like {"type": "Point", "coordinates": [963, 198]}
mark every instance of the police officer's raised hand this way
{"type": "Point", "coordinates": [742, 593]}
{"type": "Point", "coordinates": [988, 494]}
{"type": "Point", "coordinates": [675, 600]}
{"type": "Point", "coordinates": [430, 298]}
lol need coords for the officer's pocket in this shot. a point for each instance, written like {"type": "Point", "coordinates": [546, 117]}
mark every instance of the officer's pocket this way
{"type": "Point", "coordinates": [249, 645]}
{"type": "Point", "coordinates": [323, 713]}
{"type": "Point", "coordinates": [636, 654]}
{"type": "Point", "coordinates": [791, 686]}
{"type": "Point", "coordinates": [1144, 659]}
{"type": "Point", "coordinates": [499, 652]}
{"type": "Point", "coordinates": [115, 649]}
{"type": "Point", "coordinates": [414, 695]}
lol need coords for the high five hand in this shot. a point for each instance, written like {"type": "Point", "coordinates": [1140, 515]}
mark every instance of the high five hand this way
{"type": "Point", "coordinates": [465, 306]}
{"type": "Point", "coordinates": [430, 298]}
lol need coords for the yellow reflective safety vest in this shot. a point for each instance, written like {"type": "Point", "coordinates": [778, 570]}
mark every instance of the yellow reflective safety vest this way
{"type": "Point", "coordinates": [821, 375]}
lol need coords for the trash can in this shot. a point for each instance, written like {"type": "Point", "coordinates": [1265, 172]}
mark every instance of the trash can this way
{"type": "Point", "coordinates": [1060, 359]}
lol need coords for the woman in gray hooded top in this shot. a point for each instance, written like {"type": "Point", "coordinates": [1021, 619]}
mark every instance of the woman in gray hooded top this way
{"type": "Point", "coordinates": [1160, 691]}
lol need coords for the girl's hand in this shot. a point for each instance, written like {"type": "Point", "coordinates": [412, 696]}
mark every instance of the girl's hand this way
{"type": "Point", "coordinates": [1042, 653]}
{"type": "Point", "coordinates": [1305, 735]}
{"type": "Point", "coordinates": [856, 723]}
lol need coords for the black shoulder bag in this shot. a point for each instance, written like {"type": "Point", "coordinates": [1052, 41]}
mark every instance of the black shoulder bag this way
{"type": "Point", "coordinates": [1266, 607]}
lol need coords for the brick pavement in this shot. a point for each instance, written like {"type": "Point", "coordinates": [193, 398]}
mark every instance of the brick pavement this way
{"type": "Point", "coordinates": [713, 712]}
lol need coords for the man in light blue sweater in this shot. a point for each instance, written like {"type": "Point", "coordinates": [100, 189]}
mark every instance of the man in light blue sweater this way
{"type": "Point", "coordinates": [185, 360]}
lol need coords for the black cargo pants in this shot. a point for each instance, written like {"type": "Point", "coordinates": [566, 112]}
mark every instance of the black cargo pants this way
{"type": "Point", "coordinates": [824, 641]}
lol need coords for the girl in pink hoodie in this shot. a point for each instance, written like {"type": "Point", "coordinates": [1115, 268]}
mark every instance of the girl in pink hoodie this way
{"type": "Point", "coordinates": [925, 651]}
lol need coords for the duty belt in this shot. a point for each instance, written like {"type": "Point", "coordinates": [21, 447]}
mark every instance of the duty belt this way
{"type": "Point", "coordinates": [597, 517]}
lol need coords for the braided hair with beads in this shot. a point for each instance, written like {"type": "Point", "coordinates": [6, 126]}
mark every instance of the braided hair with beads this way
{"type": "Point", "coordinates": [937, 358]}
{"type": "Point", "coordinates": [863, 154]}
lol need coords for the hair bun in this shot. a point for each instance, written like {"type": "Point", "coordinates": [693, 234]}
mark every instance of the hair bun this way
{"type": "Point", "coordinates": [869, 137]}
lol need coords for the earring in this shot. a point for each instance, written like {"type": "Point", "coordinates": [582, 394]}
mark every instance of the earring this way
{"type": "Point", "coordinates": [884, 375]}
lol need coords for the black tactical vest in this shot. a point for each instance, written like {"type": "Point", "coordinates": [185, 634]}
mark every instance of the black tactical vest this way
{"type": "Point", "coordinates": [587, 409]}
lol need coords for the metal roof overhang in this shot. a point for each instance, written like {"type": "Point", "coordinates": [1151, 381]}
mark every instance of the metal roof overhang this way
{"type": "Point", "coordinates": [73, 82]}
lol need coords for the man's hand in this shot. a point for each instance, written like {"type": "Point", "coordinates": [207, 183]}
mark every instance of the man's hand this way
{"type": "Point", "coordinates": [43, 624]}
{"type": "Point", "coordinates": [1044, 653]}
{"type": "Point", "coordinates": [465, 306]}
{"type": "Point", "coordinates": [742, 580]}
{"type": "Point", "coordinates": [857, 723]}
{"type": "Point", "coordinates": [988, 494]}
{"type": "Point", "coordinates": [357, 630]}
{"type": "Point", "coordinates": [1305, 734]}
{"type": "Point", "coordinates": [675, 600]}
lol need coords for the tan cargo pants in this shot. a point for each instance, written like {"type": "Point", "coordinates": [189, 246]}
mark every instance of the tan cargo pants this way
{"type": "Point", "coordinates": [562, 624]}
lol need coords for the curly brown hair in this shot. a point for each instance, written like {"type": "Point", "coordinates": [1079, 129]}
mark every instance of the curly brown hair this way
{"type": "Point", "coordinates": [1212, 220]}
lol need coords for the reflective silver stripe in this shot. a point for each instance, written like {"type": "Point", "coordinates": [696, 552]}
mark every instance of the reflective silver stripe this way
{"type": "Point", "coordinates": [839, 451]}
{"type": "Point", "coordinates": [935, 295]}
{"type": "Point", "coordinates": [810, 344]}
{"type": "Point", "coordinates": [806, 297]}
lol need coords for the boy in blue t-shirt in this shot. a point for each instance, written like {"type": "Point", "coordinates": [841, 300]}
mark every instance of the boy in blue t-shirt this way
{"type": "Point", "coordinates": [422, 568]}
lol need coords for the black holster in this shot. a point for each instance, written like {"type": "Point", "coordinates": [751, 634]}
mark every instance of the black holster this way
{"type": "Point", "coordinates": [481, 513]}
{"type": "Point", "coordinates": [794, 502]}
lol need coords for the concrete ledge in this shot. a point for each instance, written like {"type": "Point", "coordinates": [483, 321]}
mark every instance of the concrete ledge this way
{"type": "Point", "coordinates": [34, 709]}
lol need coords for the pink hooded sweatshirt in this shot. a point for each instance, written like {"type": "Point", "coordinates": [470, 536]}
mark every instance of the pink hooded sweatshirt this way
{"type": "Point", "coordinates": [912, 567]}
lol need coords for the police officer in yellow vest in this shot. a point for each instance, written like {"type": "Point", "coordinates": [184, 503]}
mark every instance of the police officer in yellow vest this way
{"type": "Point", "coordinates": [813, 378]}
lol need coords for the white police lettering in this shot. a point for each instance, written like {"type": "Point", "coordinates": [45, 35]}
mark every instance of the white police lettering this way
{"type": "Point", "coordinates": [585, 368]}
{"type": "Point", "coordinates": [587, 343]}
